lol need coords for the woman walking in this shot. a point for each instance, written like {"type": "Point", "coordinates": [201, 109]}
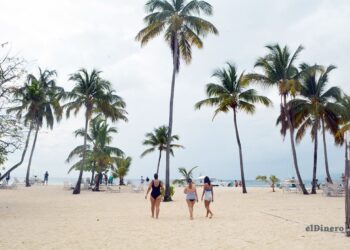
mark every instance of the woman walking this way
{"type": "Point", "coordinates": [156, 196]}
{"type": "Point", "coordinates": [208, 195]}
{"type": "Point", "coordinates": [191, 196]}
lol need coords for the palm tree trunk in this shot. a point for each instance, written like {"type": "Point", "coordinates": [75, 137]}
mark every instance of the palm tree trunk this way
{"type": "Point", "coordinates": [77, 186]}
{"type": "Point", "coordinates": [314, 171]}
{"type": "Point", "coordinates": [93, 175]}
{"type": "Point", "coordinates": [167, 196]}
{"type": "Point", "coordinates": [121, 181]}
{"type": "Point", "coordinates": [31, 156]}
{"type": "Point", "coordinates": [347, 190]}
{"type": "Point", "coordinates": [244, 190]}
{"type": "Point", "coordinates": [325, 152]}
{"type": "Point", "coordinates": [160, 156]}
{"type": "Point", "coordinates": [291, 132]}
{"type": "Point", "coordinates": [23, 154]}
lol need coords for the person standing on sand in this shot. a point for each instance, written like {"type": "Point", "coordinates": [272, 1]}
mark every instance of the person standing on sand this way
{"type": "Point", "coordinates": [46, 178]}
{"type": "Point", "coordinates": [191, 196]}
{"type": "Point", "coordinates": [208, 195]}
{"type": "Point", "coordinates": [156, 197]}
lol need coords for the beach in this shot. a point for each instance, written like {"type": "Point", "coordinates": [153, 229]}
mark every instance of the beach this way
{"type": "Point", "coordinates": [49, 217]}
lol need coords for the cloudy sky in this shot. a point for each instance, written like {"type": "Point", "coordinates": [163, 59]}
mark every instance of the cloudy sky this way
{"type": "Point", "coordinates": [66, 35]}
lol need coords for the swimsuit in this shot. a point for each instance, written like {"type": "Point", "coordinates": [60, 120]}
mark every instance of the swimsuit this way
{"type": "Point", "coordinates": [208, 195]}
{"type": "Point", "coordinates": [191, 196]}
{"type": "Point", "coordinates": [155, 191]}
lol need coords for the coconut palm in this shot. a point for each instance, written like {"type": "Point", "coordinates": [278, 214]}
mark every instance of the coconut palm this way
{"type": "Point", "coordinates": [273, 180]}
{"type": "Point", "coordinates": [279, 70]}
{"type": "Point", "coordinates": [99, 152]}
{"type": "Point", "coordinates": [314, 109]}
{"type": "Point", "coordinates": [40, 99]}
{"type": "Point", "coordinates": [157, 141]}
{"type": "Point", "coordinates": [96, 95]}
{"type": "Point", "coordinates": [183, 28]}
{"type": "Point", "coordinates": [232, 94]}
{"type": "Point", "coordinates": [187, 174]}
{"type": "Point", "coordinates": [122, 168]}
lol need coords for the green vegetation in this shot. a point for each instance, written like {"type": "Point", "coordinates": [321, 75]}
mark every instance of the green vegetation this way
{"type": "Point", "coordinates": [233, 94]}
{"type": "Point", "coordinates": [157, 141]}
{"type": "Point", "coordinates": [272, 180]}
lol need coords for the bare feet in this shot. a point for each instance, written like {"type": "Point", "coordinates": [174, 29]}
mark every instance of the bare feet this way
{"type": "Point", "coordinates": [211, 216]}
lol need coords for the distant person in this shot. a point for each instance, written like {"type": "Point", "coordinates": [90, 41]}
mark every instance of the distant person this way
{"type": "Point", "coordinates": [147, 179]}
{"type": "Point", "coordinates": [156, 197]}
{"type": "Point", "coordinates": [46, 178]}
{"type": "Point", "coordinates": [142, 180]}
{"type": "Point", "coordinates": [110, 179]}
{"type": "Point", "coordinates": [8, 177]}
{"type": "Point", "coordinates": [191, 196]}
{"type": "Point", "coordinates": [240, 183]}
{"type": "Point", "coordinates": [236, 183]}
{"type": "Point", "coordinates": [208, 195]}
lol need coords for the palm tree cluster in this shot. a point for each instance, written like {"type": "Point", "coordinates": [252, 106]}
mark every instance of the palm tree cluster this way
{"type": "Point", "coordinates": [40, 99]}
{"type": "Point", "coordinates": [306, 102]}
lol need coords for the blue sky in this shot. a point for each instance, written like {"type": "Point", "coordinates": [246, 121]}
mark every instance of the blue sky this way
{"type": "Point", "coordinates": [67, 35]}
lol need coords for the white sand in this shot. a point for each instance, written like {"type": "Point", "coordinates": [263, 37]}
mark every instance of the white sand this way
{"type": "Point", "coordinates": [52, 218]}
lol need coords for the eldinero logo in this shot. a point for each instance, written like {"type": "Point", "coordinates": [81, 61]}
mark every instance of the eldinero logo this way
{"type": "Point", "coordinates": [322, 228]}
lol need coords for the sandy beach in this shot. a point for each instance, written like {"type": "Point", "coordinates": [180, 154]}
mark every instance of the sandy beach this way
{"type": "Point", "coordinates": [52, 218]}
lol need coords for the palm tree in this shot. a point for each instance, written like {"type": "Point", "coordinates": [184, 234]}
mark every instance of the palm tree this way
{"type": "Point", "coordinates": [95, 94]}
{"type": "Point", "coordinates": [99, 154]}
{"type": "Point", "coordinates": [157, 141]}
{"type": "Point", "coordinates": [122, 168]}
{"type": "Point", "coordinates": [183, 28]}
{"type": "Point", "coordinates": [273, 180]}
{"type": "Point", "coordinates": [315, 109]}
{"type": "Point", "coordinates": [279, 70]}
{"type": "Point", "coordinates": [233, 94]}
{"type": "Point", "coordinates": [40, 99]}
{"type": "Point", "coordinates": [344, 133]}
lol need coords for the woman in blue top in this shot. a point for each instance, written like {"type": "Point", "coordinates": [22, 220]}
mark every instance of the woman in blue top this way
{"type": "Point", "coordinates": [156, 197]}
{"type": "Point", "coordinates": [191, 196]}
{"type": "Point", "coordinates": [208, 195]}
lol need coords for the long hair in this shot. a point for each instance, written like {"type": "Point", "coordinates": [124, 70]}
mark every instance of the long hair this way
{"type": "Point", "coordinates": [207, 180]}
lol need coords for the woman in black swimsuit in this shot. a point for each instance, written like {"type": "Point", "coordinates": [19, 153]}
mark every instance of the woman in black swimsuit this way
{"type": "Point", "coordinates": [156, 197]}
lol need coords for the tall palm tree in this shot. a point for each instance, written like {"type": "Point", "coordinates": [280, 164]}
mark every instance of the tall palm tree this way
{"type": "Point", "coordinates": [315, 109]}
{"type": "Point", "coordinates": [183, 28]}
{"type": "Point", "coordinates": [122, 168]}
{"type": "Point", "coordinates": [96, 95]}
{"type": "Point", "coordinates": [232, 93]}
{"type": "Point", "coordinates": [280, 71]}
{"type": "Point", "coordinates": [157, 141]}
{"type": "Point", "coordinates": [40, 99]}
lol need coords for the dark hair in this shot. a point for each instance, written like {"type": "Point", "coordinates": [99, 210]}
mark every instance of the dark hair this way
{"type": "Point", "coordinates": [207, 180]}
{"type": "Point", "coordinates": [155, 176]}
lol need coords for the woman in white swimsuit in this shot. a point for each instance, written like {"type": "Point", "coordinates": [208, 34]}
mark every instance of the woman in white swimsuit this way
{"type": "Point", "coordinates": [208, 195]}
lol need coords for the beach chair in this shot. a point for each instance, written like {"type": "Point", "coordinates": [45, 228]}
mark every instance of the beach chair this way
{"type": "Point", "coordinates": [67, 185]}
{"type": "Point", "coordinates": [137, 189]}
{"type": "Point", "coordinates": [333, 190]}
{"type": "Point", "coordinates": [15, 180]}
{"type": "Point", "coordinates": [113, 189]}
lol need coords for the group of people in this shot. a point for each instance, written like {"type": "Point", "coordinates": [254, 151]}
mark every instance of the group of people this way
{"type": "Point", "coordinates": [156, 187]}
